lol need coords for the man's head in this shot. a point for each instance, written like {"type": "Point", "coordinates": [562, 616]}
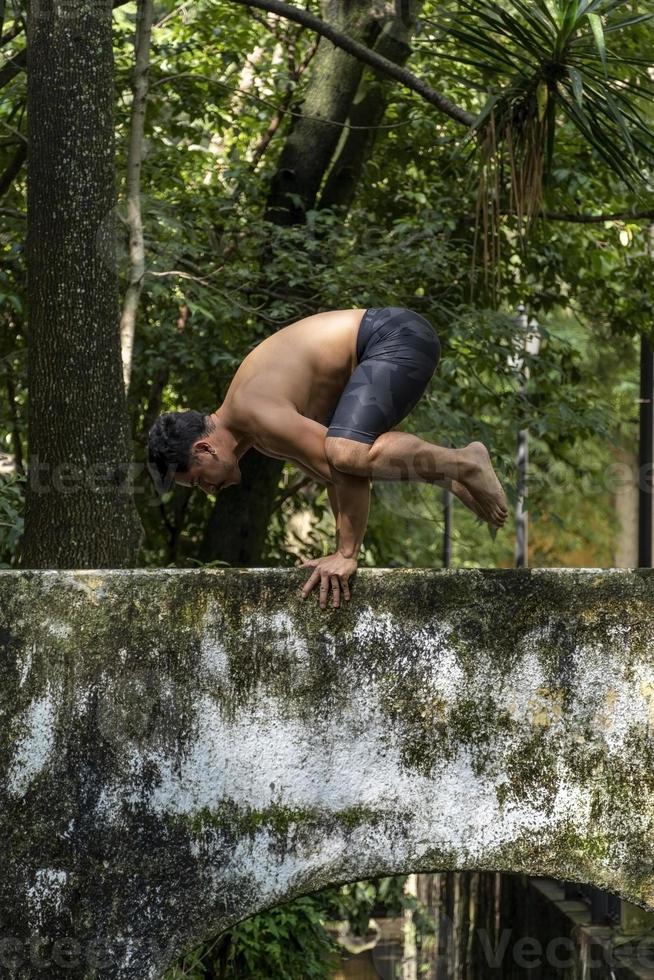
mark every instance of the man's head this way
{"type": "Point", "coordinates": [188, 447]}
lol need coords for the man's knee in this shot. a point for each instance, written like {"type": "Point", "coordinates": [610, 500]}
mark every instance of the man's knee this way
{"type": "Point", "coordinates": [347, 455]}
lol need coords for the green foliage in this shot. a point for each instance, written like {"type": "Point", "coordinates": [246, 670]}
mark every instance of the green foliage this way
{"type": "Point", "coordinates": [220, 278]}
{"type": "Point", "coordinates": [289, 941]}
{"type": "Point", "coordinates": [543, 58]}
{"type": "Point", "coordinates": [11, 515]}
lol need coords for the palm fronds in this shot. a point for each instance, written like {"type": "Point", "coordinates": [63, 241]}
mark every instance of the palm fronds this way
{"type": "Point", "coordinates": [547, 61]}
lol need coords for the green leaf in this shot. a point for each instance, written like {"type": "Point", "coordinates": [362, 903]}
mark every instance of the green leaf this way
{"type": "Point", "coordinates": [570, 20]}
{"type": "Point", "coordinates": [485, 112]}
{"type": "Point", "coordinates": [551, 8]}
{"type": "Point", "coordinates": [619, 119]}
{"type": "Point", "coordinates": [618, 25]}
{"type": "Point", "coordinates": [595, 22]}
{"type": "Point", "coordinates": [577, 84]}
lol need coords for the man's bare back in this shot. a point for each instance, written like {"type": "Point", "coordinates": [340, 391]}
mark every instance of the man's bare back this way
{"type": "Point", "coordinates": [306, 364]}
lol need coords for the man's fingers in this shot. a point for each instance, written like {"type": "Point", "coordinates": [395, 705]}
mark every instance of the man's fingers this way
{"type": "Point", "coordinates": [310, 583]}
{"type": "Point", "coordinates": [324, 589]}
{"type": "Point", "coordinates": [339, 583]}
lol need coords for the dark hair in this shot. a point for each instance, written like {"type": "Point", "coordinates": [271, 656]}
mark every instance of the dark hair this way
{"type": "Point", "coordinates": [169, 444]}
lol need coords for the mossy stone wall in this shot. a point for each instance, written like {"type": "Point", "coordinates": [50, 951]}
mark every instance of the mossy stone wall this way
{"type": "Point", "coordinates": [182, 748]}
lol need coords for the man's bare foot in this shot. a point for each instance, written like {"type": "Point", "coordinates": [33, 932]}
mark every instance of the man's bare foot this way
{"type": "Point", "coordinates": [478, 477]}
{"type": "Point", "coordinates": [466, 498]}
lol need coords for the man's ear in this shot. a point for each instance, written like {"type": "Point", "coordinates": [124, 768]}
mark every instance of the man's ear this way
{"type": "Point", "coordinates": [202, 446]}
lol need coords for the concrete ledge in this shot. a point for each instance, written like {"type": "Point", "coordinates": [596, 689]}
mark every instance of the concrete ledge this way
{"type": "Point", "coordinates": [182, 748]}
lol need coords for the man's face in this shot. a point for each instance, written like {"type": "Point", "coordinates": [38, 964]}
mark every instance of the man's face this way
{"type": "Point", "coordinates": [209, 473]}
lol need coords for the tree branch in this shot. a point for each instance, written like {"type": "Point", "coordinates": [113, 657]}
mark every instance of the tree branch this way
{"type": "Point", "coordinates": [360, 51]}
{"type": "Point", "coordinates": [13, 67]}
{"type": "Point", "coordinates": [588, 219]}
{"type": "Point", "coordinates": [142, 39]}
{"type": "Point", "coordinates": [14, 31]}
{"type": "Point", "coordinates": [14, 168]}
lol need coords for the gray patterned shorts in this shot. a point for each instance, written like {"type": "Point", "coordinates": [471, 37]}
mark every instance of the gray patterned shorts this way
{"type": "Point", "coordinates": [397, 353]}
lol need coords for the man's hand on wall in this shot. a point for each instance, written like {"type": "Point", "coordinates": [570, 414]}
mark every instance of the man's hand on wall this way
{"type": "Point", "coordinates": [332, 570]}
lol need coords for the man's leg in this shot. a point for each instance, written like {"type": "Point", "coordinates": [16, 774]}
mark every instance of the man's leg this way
{"type": "Point", "coordinates": [404, 456]}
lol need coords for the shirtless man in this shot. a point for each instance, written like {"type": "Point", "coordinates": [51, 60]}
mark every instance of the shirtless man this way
{"type": "Point", "coordinates": [326, 392]}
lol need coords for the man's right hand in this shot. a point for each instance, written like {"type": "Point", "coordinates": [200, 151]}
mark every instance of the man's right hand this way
{"type": "Point", "coordinates": [332, 570]}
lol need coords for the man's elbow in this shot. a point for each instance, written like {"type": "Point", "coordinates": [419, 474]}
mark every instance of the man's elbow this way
{"type": "Point", "coordinates": [320, 476]}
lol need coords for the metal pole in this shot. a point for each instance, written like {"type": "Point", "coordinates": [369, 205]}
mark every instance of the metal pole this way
{"type": "Point", "coordinates": [645, 454]}
{"type": "Point", "coordinates": [521, 516]}
{"type": "Point", "coordinates": [447, 528]}
{"type": "Point", "coordinates": [521, 527]}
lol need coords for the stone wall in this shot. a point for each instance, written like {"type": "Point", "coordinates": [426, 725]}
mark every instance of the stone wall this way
{"type": "Point", "coordinates": [183, 748]}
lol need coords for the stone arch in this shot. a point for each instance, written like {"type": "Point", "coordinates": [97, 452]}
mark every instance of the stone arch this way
{"type": "Point", "coordinates": [182, 748]}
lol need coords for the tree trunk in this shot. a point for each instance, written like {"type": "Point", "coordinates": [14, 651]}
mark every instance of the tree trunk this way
{"type": "Point", "coordinates": [236, 532]}
{"type": "Point", "coordinates": [80, 509]}
{"type": "Point", "coordinates": [625, 501]}
{"type": "Point", "coordinates": [368, 108]}
{"type": "Point", "coordinates": [310, 145]}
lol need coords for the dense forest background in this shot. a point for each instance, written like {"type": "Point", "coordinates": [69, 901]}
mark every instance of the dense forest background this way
{"type": "Point", "coordinates": [244, 108]}
{"type": "Point", "coordinates": [263, 174]}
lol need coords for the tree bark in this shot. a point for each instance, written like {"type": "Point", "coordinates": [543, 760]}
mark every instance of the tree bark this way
{"type": "Point", "coordinates": [80, 510]}
{"type": "Point", "coordinates": [311, 143]}
{"type": "Point", "coordinates": [367, 111]}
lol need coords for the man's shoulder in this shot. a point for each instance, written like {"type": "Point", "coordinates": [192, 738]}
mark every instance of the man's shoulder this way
{"type": "Point", "coordinates": [277, 428]}
{"type": "Point", "coordinates": [261, 412]}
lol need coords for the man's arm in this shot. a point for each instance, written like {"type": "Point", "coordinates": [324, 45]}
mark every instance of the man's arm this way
{"type": "Point", "coordinates": [350, 499]}
{"type": "Point", "coordinates": [333, 500]}
{"type": "Point", "coordinates": [352, 495]}
{"type": "Point", "coordinates": [282, 431]}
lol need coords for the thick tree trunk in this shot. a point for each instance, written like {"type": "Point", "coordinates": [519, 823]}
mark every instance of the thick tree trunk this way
{"type": "Point", "coordinates": [237, 529]}
{"type": "Point", "coordinates": [80, 509]}
{"type": "Point", "coordinates": [367, 111]}
{"type": "Point", "coordinates": [310, 145]}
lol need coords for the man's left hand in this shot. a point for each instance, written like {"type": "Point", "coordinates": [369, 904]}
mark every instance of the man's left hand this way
{"type": "Point", "coordinates": [333, 570]}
